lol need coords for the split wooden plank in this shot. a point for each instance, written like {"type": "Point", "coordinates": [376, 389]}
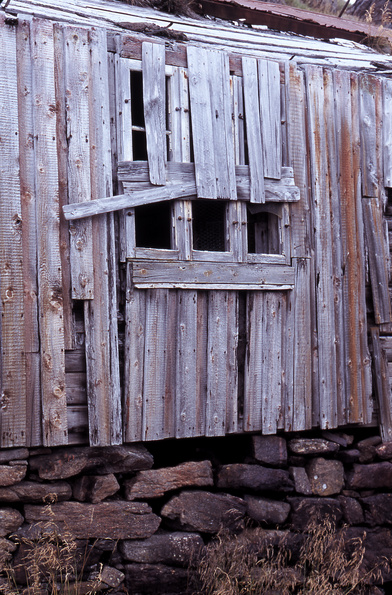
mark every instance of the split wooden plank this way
{"type": "Point", "coordinates": [232, 307]}
{"type": "Point", "coordinates": [62, 158]}
{"type": "Point", "coordinates": [271, 381]}
{"type": "Point", "coordinates": [387, 131]}
{"type": "Point", "coordinates": [187, 394]}
{"type": "Point", "coordinates": [29, 235]}
{"type": "Point", "coordinates": [238, 119]}
{"type": "Point", "coordinates": [202, 125]}
{"type": "Point", "coordinates": [217, 377]}
{"type": "Point", "coordinates": [383, 386]}
{"type": "Point", "coordinates": [159, 376]}
{"type": "Point", "coordinates": [326, 389]}
{"type": "Point", "coordinates": [13, 421]}
{"type": "Point", "coordinates": [368, 90]}
{"type": "Point", "coordinates": [365, 368]}
{"type": "Point", "coordinates": [103, 372]}
{"type": "Point", "coordinates": [210, 275]}
{"type": "Point", "coordinates": [377, 254]}
{"type": "Point", "coordinates": [219, 88]}
{"type": "Point", "coordinates": [76, 74]}
{"type": "Point", "coordinates": [270, 114]}
{"type": "Point", "coordinates": [50, 303]}
{"type": "Point", "coordinates": [253, 375]}
{"type": "Point", "coordinates": [135, 312]}
{"type": "Point", "coordinates": [154, 93]}
{"type": "Point", "coordinates": [253, 129]}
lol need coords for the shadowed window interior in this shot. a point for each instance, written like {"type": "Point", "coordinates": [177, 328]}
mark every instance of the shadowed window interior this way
{"type": "Point", "coordinates": [209, 225]}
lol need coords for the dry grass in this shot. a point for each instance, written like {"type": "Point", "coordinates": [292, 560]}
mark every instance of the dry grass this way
{"type": "Point", "coordinates": [249, 564]}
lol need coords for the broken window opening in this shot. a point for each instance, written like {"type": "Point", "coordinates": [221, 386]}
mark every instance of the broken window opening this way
{"type": "Point", "coordinates": [209, 225]}
{"type": "Point", "coordinates": [264, 234]}
{"type": "Point", "coordinates": [153, 225]}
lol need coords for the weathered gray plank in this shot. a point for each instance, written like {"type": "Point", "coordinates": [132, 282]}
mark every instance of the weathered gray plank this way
{"type": "Point", "coordinates": [134, 361]}
{"type": "Point", "coordinates": [238, 119]}
{"type": "Point", "coordinates": [383, 386]}
{"type": "Point", "coordinates": [154, 93]}
{"type": "Point", "coordinates": [253, 129]}
{"type": "Point", "coordinates": [131, 199]}
{"type": "Point", "coordinates": [103, 374]}
{"type": "Point", "coordinates": [232, 306]}
{"type": "Point", "coordinates": [387, 131]}
{"type": "Point", "coordinates": [13, 388]}
{"type": "Point", "coordinates": [271, 361]}
{"type": "Point", "coordinates": [76, 73]}
{"type": "Point", "coordinates": [271, 127]}
{"type": "Point", "coordinates": [369, 87]}
{"type": "Point", "coordinates": [219, 88]}
{"type": "Point", "coordinates": [198, 275]}
{"type": "Point", "coordinates": [217, 376]}
{"type": "Point", "coordinates": [202, 125]}
{"type": "Point", "coordinates": [323, 248]}
{"type": "Point", "coordinates": [29, 235]}
{"type": "Point", "coordinates": [253, 375]}
{"type": "Point", "coordinates": [378, 259]}
{"type": "Point", "coordinates": [187, 394]}
{"type": "Point", "coordinates": [54, 409]}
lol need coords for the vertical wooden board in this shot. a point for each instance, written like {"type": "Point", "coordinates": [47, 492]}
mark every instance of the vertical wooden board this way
{"type": "Point", "coordinates": [237, 98]}
{"type": "Point", "coordinates": [134, 361]}
{"type": "Point", "coordinates": [284, 78]}
{"type": "Point", "coordinates": [301, 220]}
{"type": "Point", "coordinates": [13, 377]}
{"type": "Point", "coordinates": [34, 407]}
{"type": "Point", "coordinates": [154, 93]}
{"type": "Point", "coordinates": [271, 361]}
{"type": "Point", "coordinates": [299, 411]}
{"type": "Point", "coordinates": [365, 368]}
{"type": "Point", "coordinates": [287, 363]}
{"type": "Point", "coordinates": [50, 302]}
{"type": "Point", "coordinates": [253, 129]}
{"type": "Point", "coordinates": [333, 156]}
{"type": "Point", "coordinates": [186, 365]}
{"type": "Point", "coordinates": [271, 127]}
{"type": "Point", "coordinates": [156, 346]}
{"type": "Point", "coordinates": [325, 312]}
{"type": "Point", "coordinates": [201, 119]}
{"type": "Point", "coordinates": [62, 159]}
{"type": "Point", "coordinates": [377, 253]}
{"type": "Point", "coordinates": [368, 127]}
{"type": "Point", "coordinates": [387, 131]}
{"type": "Point", "coordinates": [201, 362]}
{"type": "Point", "coordinates": [105, 334]}
{"type": "Point", "coordinates": [217, 379]}
{"type": "Point", "coordinates": [232, 362]}
{"type": "Point", "coordinates": [383, 387]}
{"type": "Point", "coordinates": [219, 88]}
{"type": "Point", "coordinates": [253, 377]}
{"type": "Point", "coordinates": [76, 73]}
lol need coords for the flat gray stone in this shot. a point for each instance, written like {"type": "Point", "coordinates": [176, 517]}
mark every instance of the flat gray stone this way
{"type": "Point", "coordinates": [67, 462]}
{"type": "Point", "coordinates": [271, 450]}
{"type": "Point", "coordinates": [32, 491]}
{"type": "Point", "coordinates": [111, 576]}
{"type": "Point", "coordinates": [13, 454]}
{"type": "Point", "coordinates": [155, 578]}
{"type": "Point", "coordinates": [312, 446]}
{"type": "Point", "coordinates": [176, 548]}
{"type": "Point", "coordinates": [204, 512]}
{"type": "Point", "coordinates": [301, 481]}
{"type": "Point", "coordinates": [255, 477]}
{"type": "Point", "coordinates": [11, 475]}
{"type": "Point", "coordinates": [268, 511]}
{"type": "Point", "coordinates": [10, 521]}
{"type": "Point", "coordinates": [372, 476]}
{"type": "Point", "coordinates": [95, 488]}
{"type": "Point", "coordinates": [156, 482]}
{"type": "Point", "coordinates": [326, 477]}
{"type": "Point", "coordinates": [111, 520]}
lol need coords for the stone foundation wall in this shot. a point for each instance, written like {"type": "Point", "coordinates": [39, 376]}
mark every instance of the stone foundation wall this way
{"type": "Point", "coordinates": [141, 512]}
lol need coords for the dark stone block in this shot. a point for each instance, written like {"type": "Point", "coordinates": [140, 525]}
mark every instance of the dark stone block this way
{"type": "Point", "coordinates": [372, 476]}
{"type": "Point", "coordinates": [254, 477]}
{"type": "Point", "coordinates": [270, 449]}
{"type": "Point", "coordinates": [305, 510]}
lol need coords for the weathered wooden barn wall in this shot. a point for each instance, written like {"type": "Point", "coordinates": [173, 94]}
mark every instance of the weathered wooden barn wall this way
{"type": "Point", "coordinates": [212, 341]}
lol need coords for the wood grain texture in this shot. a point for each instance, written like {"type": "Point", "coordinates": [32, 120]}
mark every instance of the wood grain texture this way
{"type": "Point", "coordinates": [154, 94]}
{"type": "Point", "coordinates": [103, 373]}
{"type": "Point", "coordinates": [387, 131]}
{"type": "Point", "coordinates": [383, 386]}
{"type": "Point", "coordinates": [13, 373]}
{"type": "Point", "coordinates": [253, 129]}
{"type": "Point", "coordinates": [76, 83]}
{"type": "Point", "coordinates": [49, 260]}
{"type": "Point", "coordinates": [270, 114]}
{"type": "Point", "coordinates": [368, 90]}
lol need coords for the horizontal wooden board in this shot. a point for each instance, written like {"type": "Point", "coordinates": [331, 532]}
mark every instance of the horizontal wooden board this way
{"type": "Point", "coordinates": [197, 275]}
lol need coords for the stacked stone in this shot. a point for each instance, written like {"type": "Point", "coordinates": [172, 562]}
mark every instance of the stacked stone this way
{"type": "Point", "coordinates": [147, 524]}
